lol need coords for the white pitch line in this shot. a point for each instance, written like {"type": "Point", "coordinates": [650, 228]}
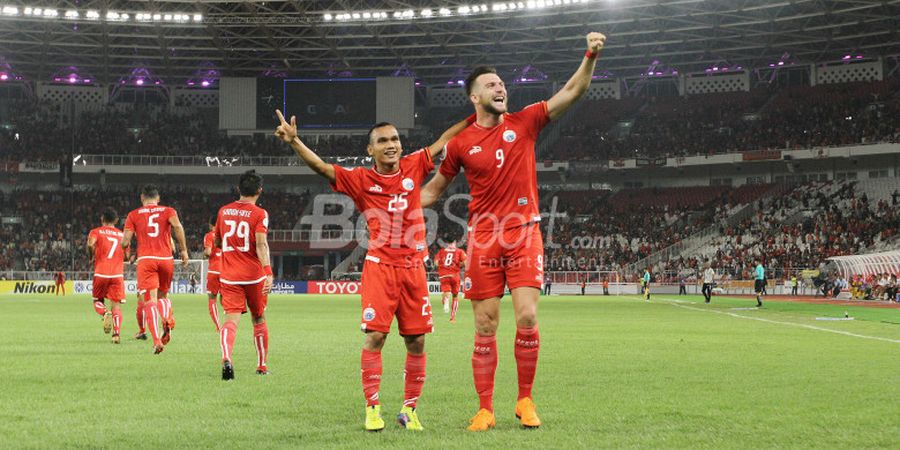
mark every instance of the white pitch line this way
{"type": "Point", "coordinates": [811, 327]}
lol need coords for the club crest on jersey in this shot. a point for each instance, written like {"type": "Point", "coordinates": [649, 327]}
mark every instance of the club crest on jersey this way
{"type": "Point", "coordinates": [474, 150]}
{"type": "Point", "coordinates": [369, 314]}
{"type": "Point", "coordinates": [468, 284]}
{"type": "Point", "coordinates": [408, 184]}
{"type": "Point", "coordinates": [509, 135]}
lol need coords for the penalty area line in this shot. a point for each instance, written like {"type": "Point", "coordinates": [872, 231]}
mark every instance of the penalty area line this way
{"type": "Point", "coordinates": [792, 324]}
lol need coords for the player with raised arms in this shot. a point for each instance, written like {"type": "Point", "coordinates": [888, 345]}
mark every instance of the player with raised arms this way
{"type": "Point", "coordinates": [246, 272]}
{"type": "Point", "coordinates": [505, 246]}
{"type": "Point", "coordinates": [393, 278]}
{"type": "Point", "coordinates": [104, 245]}
{"type": "Point", "coordinates": [153, 225]}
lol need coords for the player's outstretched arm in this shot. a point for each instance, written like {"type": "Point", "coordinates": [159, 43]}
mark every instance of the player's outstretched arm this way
{"type": "Point", "coordinates": [580, 81]}
{"type": "Point", "coordinates": [179, 236]}
{"type": "Point", "coordinates": [262, 252]}
{"type": "Point", "coordinates": [434, 189]}
{"type": "Point", "coordinates": [439, 146]}
{"type": "Point", "coordinates": [287, 132]}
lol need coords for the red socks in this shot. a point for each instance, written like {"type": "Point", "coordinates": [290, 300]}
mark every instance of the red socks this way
{"type": "Point", "coordinates": [226, 339]}
{"type": "Point", "coordinates": [261, 340]}
{"type": "Point", "coordinates": [414, 378]}
{"type": "Point", "coordinates": [214, 313]}
{"type": "Point", "coordinates": [100, 307]}
{"type": "Point", "coordinates": [371, 375]}
{"type": "Point", "coordinates": [484, 366]}
{"type": "Point", "coordinates": [528, 343]}
{"type": "Point", "coordinates": [117, 320]}
{"type": "Point", "coordinates": [139, 315]}
{"type": "Point", "coordinates": [151, 314]}
{"type": "Point", "coordinates": [165, 308]}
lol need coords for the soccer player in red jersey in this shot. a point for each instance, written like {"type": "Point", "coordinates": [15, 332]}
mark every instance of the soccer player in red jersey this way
{"type": "Point", "coordinates": [153, 224]}
{"type": "Point", "coordinates": [214, 254]}
{"type": "Point", "coordinates": [393, 278]}
{"type": "Point", "coordinates": [246, 273]}
{"type": "Point", "coordinates": [104, 244]}
{"type": "Point", "coordinates": [504, 242]}
{"type": "Point", "coordinates": [450, 260]}
{"type": "Point", "coordinates": [60, 280]}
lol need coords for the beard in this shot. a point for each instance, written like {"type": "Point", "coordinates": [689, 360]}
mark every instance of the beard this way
{"type": "Point", "coordinates": [493, 109]}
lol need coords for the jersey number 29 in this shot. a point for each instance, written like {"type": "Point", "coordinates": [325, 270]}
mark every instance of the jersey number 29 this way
{"type": "Point", "coordinates": [242, 230]}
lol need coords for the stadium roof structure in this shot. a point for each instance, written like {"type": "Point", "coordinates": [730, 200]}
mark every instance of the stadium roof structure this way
{"type": "Point", "coordinates": [432, 40]}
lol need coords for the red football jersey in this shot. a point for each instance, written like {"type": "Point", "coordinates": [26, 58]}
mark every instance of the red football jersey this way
{"type": "Point", "coordinates": [499, 163]}
{"type": "Point", "coordinates": [150, 225]}
{"type": "Point", "coordinates": [449, 261]}
{"type": "Point", "coordinates": [109, 258]}
{"type": "Point", "coordinates": [236, 226]}
{"type": "Point", "coordinates": [392, 207]}
{"type": "Point", "coordinates": [215, 254]}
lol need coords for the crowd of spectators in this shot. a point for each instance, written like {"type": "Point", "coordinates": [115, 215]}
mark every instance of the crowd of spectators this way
{"type": "Point", "coordinates": [708, 124]}
{"type": "Point", "coordinates": [54, 224]}
{"type": "Point", "coordinates": [789, 118]}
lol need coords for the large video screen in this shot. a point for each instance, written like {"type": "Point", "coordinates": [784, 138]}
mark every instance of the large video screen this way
{"type": "Point", "coordinates": [332, 103]}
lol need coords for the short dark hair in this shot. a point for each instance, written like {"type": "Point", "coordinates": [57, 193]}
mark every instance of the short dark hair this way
{"type": "Point", "coordinates": [250, 184]}
{"type": "Point", "coordinates": [109, 215]}
{"type": "Point", "coordinates": [150, 191]}
{"type": "Point", "coordinates": [377, 125]}
{"type": "Point", "coordinates": [479, 71]}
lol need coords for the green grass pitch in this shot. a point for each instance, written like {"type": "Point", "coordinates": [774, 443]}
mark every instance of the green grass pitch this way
{"type": "Point", "coordinates": [613, 372]}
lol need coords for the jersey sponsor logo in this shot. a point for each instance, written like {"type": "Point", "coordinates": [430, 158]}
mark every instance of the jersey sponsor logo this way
{"type": "Point", "coordinates": [522, 201]}
{"type": "Point", "coordinates": [509, 135]}
{"type": "Point", "coordinates": [421, 247]}
{"type": "Point", "coordinates": [369, 314]}
{"type": "Point", "coordinates": [475, 149]}
{"type": "Point", "coordinates": [408, 184]}
{"type": "Point", "coordinates": [376, 188]}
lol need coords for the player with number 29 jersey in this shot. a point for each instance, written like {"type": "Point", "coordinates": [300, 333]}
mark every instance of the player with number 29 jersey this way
{"type": "Point", "coordinates": [237, 225]}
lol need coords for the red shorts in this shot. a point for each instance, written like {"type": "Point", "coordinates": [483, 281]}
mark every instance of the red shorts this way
{"type": "Point", "coordinates": [513, 257]}
{"type": "Point", "coordinates": [155, 274]}
{"type": "Point", "coordinates": [389, 291]}
{"type": "Point", "coordinates": [240, 298]}
{"type": "Point", "coordinates": [112, 289]}
{"type": "Point", "coordinates": [450, 284]}
{"type": "Point", "coordinates": [213, 287]}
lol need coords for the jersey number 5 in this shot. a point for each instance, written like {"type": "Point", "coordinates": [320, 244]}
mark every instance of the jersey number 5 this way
{"type": "Point", "coordinates": [242, 230]}
{"type": "Point", "coordinates": [151, 222]}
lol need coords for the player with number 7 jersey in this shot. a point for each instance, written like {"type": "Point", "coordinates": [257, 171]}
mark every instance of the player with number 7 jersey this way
{"type": "Point", "coordinates": [104, 244]}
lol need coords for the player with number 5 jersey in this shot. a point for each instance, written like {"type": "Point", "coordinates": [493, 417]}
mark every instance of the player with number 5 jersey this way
{"type": "Point", "coordinates": [245, 270]}
{"type": "Point", "coordinates": [393, 280]}
{"type": "Point", "coordinates": [104, 245]}
{"type": "Point", "coordinates": [153, 225]}
{"type": "Point", "coordinates": [505, 243]}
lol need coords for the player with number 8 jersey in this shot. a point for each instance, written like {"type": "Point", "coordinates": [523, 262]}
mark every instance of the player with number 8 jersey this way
{"type": "Point", "coordinates": [153, 225]}
{"type": "Point", "coordinates": [245, 271]}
